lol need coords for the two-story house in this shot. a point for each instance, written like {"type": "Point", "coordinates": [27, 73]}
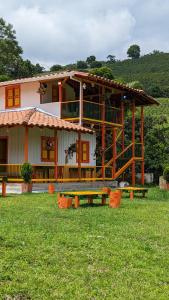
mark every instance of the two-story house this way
{"type": "Point", "coordinates": [70, 126]}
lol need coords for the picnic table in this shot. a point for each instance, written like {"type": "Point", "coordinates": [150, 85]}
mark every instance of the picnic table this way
{"type": "Point", "coordinates": [133, 190]}
{"type": "Point", "coordinates": [86, 194]}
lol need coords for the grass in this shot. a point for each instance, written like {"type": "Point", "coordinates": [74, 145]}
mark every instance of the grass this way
{"type": "Point", "coordinates": [89, 253]}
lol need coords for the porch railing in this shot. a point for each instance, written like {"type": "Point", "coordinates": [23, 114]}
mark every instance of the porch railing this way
{"type": "Point", "coordinates": [91, 110]}
{"type": "Point", "coordinates": [70, 109]}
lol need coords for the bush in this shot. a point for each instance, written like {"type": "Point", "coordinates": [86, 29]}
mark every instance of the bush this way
{"type": "Point", "coordinates": [26, 172]}
{"type": "Point", "coordinates": [166, 174]}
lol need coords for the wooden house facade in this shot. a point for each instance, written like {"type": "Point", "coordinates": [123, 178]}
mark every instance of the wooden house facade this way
{"type": "Point", "coordinates": [70, 126]}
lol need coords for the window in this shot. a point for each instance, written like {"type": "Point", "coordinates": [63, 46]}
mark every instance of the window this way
{"type": "Point", "coordinates": [84, 152]}
{"type": "Point", "coordinates": [48, 146]}
{"type": "Point", "coordinates": [12, 97]}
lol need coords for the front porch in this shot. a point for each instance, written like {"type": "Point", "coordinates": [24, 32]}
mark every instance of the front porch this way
{"type": "Point", "coordinates": [56, 149]}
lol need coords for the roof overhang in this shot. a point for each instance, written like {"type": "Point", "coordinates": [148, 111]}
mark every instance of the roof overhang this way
{"type": "Point", "coordinates": [141, 97]}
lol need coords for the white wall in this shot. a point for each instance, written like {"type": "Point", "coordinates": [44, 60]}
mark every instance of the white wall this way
{"type": "Point", "coordinates": [30, 97]}
{"type": "Point", "coordinates": [65, 139]}
{"type": "Point", "coordinates": [15, 144]}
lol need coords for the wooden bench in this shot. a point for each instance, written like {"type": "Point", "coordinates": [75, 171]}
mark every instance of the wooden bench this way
{"type": "Point", "coordinates": [86, 194]}
{"type": "Point", "coordinates": [132, 190]}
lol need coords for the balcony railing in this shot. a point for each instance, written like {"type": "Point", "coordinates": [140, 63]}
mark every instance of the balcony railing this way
{"type": "Point", "coordinates": [91, 110]}
{"type": "Point", "coordinates": [70, 109]}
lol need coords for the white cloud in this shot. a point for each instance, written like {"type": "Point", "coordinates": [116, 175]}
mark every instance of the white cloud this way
{"type": "Point", "coordinates": [62, 32]}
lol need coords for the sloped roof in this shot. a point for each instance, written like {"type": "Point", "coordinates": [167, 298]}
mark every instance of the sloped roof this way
{"type": "Point", "coordinates": [36, 117]}
{"type": "Point", "coordinates": [140, 94]}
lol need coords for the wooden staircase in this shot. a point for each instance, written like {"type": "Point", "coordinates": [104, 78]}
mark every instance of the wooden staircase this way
{"type": "Point", "coordinates": [125, 166]}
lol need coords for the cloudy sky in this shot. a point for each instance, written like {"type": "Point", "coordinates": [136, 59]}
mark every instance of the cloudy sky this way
{"type": "Point", "coordinates": [63, 31]}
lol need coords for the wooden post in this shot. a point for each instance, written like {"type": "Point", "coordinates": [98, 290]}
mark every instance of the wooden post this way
{"type": "Point", "coordinates": [79, 155]}
{"type": "Point", "coordinates": [142, 145]}
{"type": "Point", "coordinates": [56, 154]}
{"type": "Point", "coordinates": [60, 96]}
{"type": "Point", "coordinates": [114, 153]}
{"type": "Point", "coordinates": [81, 104]}
{"type": "Point", "coordinates": [122, 123]}
{"type": "Point", "coordinates": [26, 141]}
{"type": "Point", "coordinates": [103, 135]}
{"type": "Point", "coordinates": [133, 144]}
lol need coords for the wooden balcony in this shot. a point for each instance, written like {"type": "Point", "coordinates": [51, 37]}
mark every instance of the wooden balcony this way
{"type": "Point", "coordinates": [90, 112]}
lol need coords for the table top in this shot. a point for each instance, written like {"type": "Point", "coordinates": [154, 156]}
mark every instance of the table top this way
{"type": "Point", "coordinates": [84, 193]}
{"type": "Point", "coordinates": [130, 188]}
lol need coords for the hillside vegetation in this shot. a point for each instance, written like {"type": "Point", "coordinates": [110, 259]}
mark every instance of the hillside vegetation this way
{"type": "Point", "coordinates": [161, 110]}
{"type": "Point", "coordinates": [152, 70]}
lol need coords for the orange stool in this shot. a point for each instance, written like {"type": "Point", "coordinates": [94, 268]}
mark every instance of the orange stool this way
{"type": "Point", "coordinates": [51, 188]}
{"type": "Point", "coordinates": [115, 199]}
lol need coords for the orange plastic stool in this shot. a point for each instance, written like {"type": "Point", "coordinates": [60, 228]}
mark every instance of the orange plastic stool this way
{"type": "Point", "coordinates": [115, 199]}
{"type": "Point", "coordinates": [51, 188]}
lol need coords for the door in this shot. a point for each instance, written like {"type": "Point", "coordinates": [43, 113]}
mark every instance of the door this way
{"type": "Point", "coordinates": [3, 154]}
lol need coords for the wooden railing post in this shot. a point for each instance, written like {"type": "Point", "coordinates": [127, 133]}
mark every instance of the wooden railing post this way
{"type": "Point", "coordinates": [133, 144]}
{"type": "Point", "coordinates": [122, 123]}
{"type": "Point", "coordinates": [142, 145]}
{"type": "Point", "coordinates": [79, 155]}
{"type": "Point", "coordinates": [114, 153]}
{"type": "Point", "coordinates": [81, 104]}
{"type": "Point", "coordinates": [56, 154]}
{"type": "Point", "coordinates": [103, 135]}
{"type": "Point", "coordinates": [60, 85]}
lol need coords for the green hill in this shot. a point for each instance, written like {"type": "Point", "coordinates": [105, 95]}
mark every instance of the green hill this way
{"type": "Point", "coordinates": [152, 70]}
{"type": "Point", "coordinates": [161, 110]}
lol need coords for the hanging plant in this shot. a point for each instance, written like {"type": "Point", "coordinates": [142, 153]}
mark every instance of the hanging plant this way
{"type": "Point", "coordinates": [69, 152]}
{"type": "Point", "coordinates": [49, 144]}
{"type": "Point", "coordinates": [42, 89]}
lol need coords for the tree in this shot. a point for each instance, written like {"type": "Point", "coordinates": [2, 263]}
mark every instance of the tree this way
{"type": "Point", "coordinates": [111, 58]}
{"type": "Point", "coordinates": [56, 68]}
{"type": "Point", "coordinates": [90, 59]}
{"type": "Point", "coordinates": [12, 64]}
{"type": "Point", "coordinates": [10, 51]}
{"type": "Point", "coordinates": [135, 85]}
{"type": "Point", "coordinates": [25, 68]}
{"type": "Point", "coordinates": [155, 91]}
{"type": "Point", "coordinates": [103, 72]}
{"type": "Point", "coordinates": [134, 51]}
{"type": "Point", "coordinates": [81, 64]}
{"type": "Point", "coordinates": [95, 64]}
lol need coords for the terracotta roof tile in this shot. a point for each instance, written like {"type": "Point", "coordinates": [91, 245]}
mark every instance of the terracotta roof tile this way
{"type": "Point", "coordinates": [37, 117]}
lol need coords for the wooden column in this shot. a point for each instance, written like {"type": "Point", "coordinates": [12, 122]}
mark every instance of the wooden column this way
{"type": "Point", "coordinates": [114, 153]}
{"type": "Point", "coordinates": [60, 85]}
{"type": "Point", "coordinates": [142, 145]}
{"type": "Point", "coordinates": [122, 123]}
{"type": "Point", "coordinates": [56, 154]}
{"type": "Point", "coordinates": [79, 155]}
{"type": "Point", "coordinates": [26, 143]}
{"type": "Point", "coordinates": [81, 104]}
{"type": "Point", "coordinates": [103, 134]}
{"type": "Point", "coordinates": [133, 144]}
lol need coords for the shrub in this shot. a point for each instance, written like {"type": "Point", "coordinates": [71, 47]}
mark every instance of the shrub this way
{"type": "Point", "coordinates": [166, 174]}
{"type": "Point", "coordinates": [26, 172]}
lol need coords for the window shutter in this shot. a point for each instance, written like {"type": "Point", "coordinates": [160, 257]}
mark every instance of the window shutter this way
{"type": "Point", "coordinates": [9, 98]}
{"type": "Point", "coordinates": [16, 96]}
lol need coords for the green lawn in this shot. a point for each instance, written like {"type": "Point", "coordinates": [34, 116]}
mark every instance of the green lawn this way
{"type": "Point", "coordinates": [89, 253]}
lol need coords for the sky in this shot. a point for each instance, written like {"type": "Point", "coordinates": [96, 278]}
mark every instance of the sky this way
{"type": "Point", "coordinates": [64, 31]}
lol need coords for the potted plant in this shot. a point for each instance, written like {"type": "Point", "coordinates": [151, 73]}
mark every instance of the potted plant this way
{"type": "Point", "coordinates": [26, 174]}
{"type": "Point", "coordinates": [166, 176]}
